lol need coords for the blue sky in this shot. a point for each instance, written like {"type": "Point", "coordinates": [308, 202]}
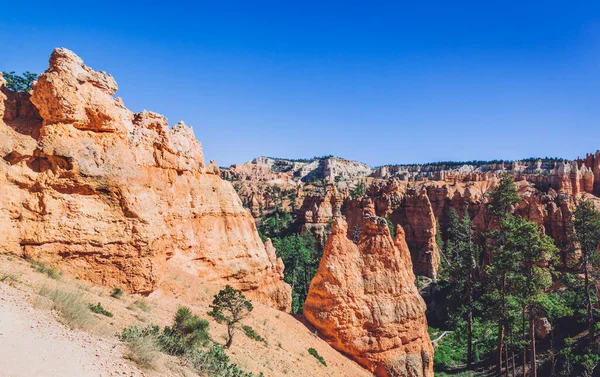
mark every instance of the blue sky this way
{"type": "Point", "coordinates": [378, 82]}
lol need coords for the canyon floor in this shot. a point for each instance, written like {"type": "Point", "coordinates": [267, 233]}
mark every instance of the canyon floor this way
{"type": "Point", "coordinates": [35, 341]}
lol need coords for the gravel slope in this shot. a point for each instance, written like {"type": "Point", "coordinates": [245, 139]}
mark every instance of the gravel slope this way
{"type": "Point", "coordinates": [34, 343]}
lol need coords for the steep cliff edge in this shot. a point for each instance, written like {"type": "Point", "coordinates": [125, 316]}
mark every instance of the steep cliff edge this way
{"type": "Point", "coordinates": [116, 197]}
{"type": "Point", "coordinates": [364, 302]}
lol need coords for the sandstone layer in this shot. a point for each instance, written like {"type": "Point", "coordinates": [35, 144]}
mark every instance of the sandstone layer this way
{"type": "Point", "coordinates": [116, 197]}
{"type": "Point", "coordinates": [363, 301]}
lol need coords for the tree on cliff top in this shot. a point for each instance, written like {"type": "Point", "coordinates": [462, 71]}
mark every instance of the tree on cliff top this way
{"type": "Point", "coordinates": [17, 83]}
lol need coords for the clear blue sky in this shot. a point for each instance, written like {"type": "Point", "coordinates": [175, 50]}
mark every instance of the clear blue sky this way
{"type": "Point", "coordinates": [379, 82]}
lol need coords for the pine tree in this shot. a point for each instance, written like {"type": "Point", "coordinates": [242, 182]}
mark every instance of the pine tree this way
{"type": "Point", "coordinates": [504, 263]}
{"type": "Point", "coordinates": [587, 236]}
{"type": "Point", "coordinates": [533, 278]}
{"type": "Point", "coordinates": [502, 277]}
{"type": "Point", "coordinates": [18, 83]}
{"type": "Point", "coordinates": [503, 197]}
{"type": "Point", "coordinates": [301, 259]}
{"type": "Point", "coordinates": [462, 256]}
{"type": "Point", "coordinates": [230, 306]}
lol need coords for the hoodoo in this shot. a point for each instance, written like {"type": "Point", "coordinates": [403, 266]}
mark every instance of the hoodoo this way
{"type": "Point", "coordinates": [364, 302]}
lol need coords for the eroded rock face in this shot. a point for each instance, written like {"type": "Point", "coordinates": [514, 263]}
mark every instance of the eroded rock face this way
{"type": "Point", "coordinates": [363, 301]}
{"type": "Point", "coordinates": [416, 215]}
{"type": "Point", "coordinates": [116, 197]}
{"type": "Point", "coordinates": [420, 208]}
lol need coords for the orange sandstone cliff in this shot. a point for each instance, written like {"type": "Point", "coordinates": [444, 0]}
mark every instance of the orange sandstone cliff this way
{"type": "Point", "coordinates": [363, 301]}
{"type": "Point", "coordinates": [117, 197]}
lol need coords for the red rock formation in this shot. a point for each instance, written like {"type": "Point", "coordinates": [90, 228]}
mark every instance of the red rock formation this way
{"type": "Point", "coordinates": [115, 197]}
{"type": "Point", "coordinates": [415, 214]}
{"type": "Point", "coordinates": [363, 301]}
{"type": "Point", "coordinates": [592, 176]}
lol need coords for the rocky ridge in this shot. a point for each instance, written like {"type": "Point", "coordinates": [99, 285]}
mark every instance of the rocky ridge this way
{"type": "Point", "coordinates": [285, 170]}
{"type": "Point", "coordinates": [570, 176]}
{"type": "Point", "coordinates": [117, 197]}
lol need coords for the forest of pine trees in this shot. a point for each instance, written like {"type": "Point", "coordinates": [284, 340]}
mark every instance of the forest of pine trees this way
{"type": "Point", "coordinates": [505, 304]}
{"type": "Point", "coordinates": [301, 253]}
{"type": "Point", "coordinates": [498, 295]}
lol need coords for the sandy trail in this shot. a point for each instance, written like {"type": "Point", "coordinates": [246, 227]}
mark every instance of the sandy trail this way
{"type": "Point", "coordinates": [34, 343]}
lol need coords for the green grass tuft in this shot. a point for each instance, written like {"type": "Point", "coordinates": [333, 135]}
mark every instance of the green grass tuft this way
{"type": "Point", "coordinates": [250, 333]}
{"type": "Point", "coordinates": [99, 309]}
{"type": "Point", "coordinates": [314, 352]}
{"type": "Point", "coordinates": [142, 305]}
{"type": "Point", "coordinates": [70, 305]}
{"type": "Point", "coordinates": [8, 278]}
{"type": "Point", "coordinates": [143, 346]}
{"type": "Point", "coordinates": [116, 293]}
{"type": "Point", "coordinates": [42, 268]}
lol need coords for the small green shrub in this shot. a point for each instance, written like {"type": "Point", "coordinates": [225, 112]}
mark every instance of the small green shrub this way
{"type": "Point", "coordinates": [250, 333]}
{"type": "Point", "coordinates": [450, 351]}
{"type": "Point", "coordinates": [99, 309]}
{"type": "Point", "coordinates": [116, 293]}
{"type": "Point", "coordinates": [314, 352]}
{"type": "Point", "coordinates": [186, 338]}
{"type": "Point", "coordinates": [215, 362]}
{"type": "Point", "coordinates": [42, 268]}
{"type": "Point", "coordinates": [391, 227]}
{"type": "Point", "coordinates": [142, 345]}
{"type": "Point", "coordinates": [187, 333]}
{"type": "Point", "coordinates": [71, 307]}
{"type": "Point", "coordinates": [134, 332]}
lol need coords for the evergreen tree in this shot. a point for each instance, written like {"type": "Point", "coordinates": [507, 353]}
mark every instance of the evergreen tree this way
{"type": "Point", "coordinates": [16, 83]}
{"type": "Point", "coordinates": [301, 259]}
{"type": "Point", "coordinates": [358, 190]}
{"type": "Point", "coordinates": [462, 256]}
{"type": "Point", "coordinates": [275, 225]}
{"type": "Point", "coordinates": [533, 277]}
{"type": "Point", "coordinates": [504, 264]}
{"type": "Point", "coordinates": [587, 236]}
{"type": "Point", "coordinates": [230, 306]}
{"type": "Point", "coordinates": [502, 199]}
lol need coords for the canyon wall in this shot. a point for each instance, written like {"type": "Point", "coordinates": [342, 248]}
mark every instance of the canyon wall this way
{"type": "Point", "coordinates": [572, 177]}
{"type": "Point", "coordinates": [420, 197]}
{"type": "Point", "coordinates": [117, 197]}
{"type": "Point", "coordinates": [363, 301]}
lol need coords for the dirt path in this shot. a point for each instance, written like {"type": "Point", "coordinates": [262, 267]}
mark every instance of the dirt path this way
{"type": "Point", "coordinates": [34, 343]}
